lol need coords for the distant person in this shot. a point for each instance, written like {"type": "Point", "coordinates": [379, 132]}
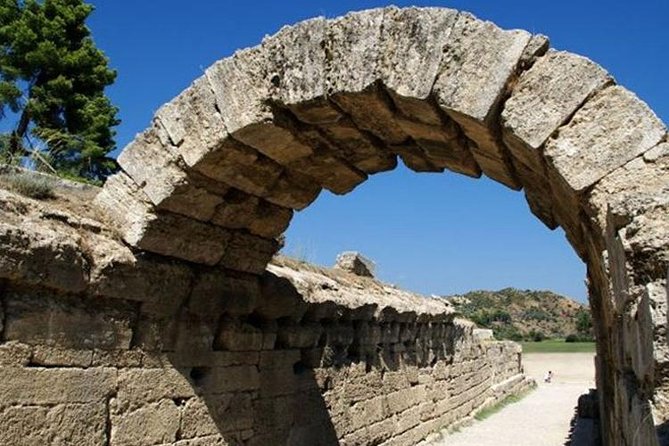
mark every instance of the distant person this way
{"type": "Point", "coordinates": [548, 377]}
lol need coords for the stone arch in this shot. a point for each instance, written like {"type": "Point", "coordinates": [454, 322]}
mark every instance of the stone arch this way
{"type": "Point", "coordinates": [216, 177]}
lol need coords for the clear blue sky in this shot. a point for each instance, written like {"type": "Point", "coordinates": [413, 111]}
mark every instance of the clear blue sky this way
{"type": "Point", "coordinates": [432, 233]}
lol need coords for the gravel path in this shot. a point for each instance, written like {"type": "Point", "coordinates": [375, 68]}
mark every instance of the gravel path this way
{"type": "Point", "coordinates": [543, 417]}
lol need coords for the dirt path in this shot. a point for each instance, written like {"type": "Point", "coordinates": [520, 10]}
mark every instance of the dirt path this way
{"type": "Point", "coordinates": [543, 417]}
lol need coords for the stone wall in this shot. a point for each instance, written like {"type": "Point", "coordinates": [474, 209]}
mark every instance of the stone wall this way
{"type": "Point", "coordinates": [326, 103]}
{"type": "Point", "coordinates": [101, 346]}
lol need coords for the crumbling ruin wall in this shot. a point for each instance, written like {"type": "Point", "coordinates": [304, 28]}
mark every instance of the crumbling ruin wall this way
{"type": "Point", "coordinates": [100, 346]}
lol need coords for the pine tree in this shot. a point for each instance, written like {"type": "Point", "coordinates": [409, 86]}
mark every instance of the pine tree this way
{"type": "Point", "coordinates": [52, 81]}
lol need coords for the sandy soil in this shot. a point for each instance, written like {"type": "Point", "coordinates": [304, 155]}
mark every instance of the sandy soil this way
{"type": "Point", "coordinates": [543, 417]}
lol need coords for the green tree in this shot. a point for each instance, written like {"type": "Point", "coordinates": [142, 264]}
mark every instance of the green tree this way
{"type": "Point", "coordinates": [52, 81]}
{"type": "Point", "coordinates": [583, 321]}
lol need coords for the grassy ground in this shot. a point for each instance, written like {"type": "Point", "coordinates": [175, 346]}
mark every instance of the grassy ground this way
{"type": "Point", "coordinates": [485, 413]}
{"type": "Point", "coordinates": [558, 346]}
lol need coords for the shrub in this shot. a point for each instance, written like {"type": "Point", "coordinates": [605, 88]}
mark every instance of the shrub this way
{"type": "Point", "coordinates": [579, 337]}
{"type": "Point", "coordinates": [537, 336]}
{"type": "Point", "coordinates": [30, 185]}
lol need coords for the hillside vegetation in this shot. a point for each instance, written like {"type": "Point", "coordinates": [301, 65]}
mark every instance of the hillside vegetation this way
{"type": "Point", "coordinates": [525, 314]}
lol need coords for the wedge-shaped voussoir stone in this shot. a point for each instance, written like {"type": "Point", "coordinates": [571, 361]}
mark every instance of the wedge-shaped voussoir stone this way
{"type": "Point", "coordinates": [248, 253]}
{"type": "Point", "coordinates": [353, 51]}
{"type": "Point", "coordinates": [152, 165]}
{"type": "Point", "coordinates": [184, 238]}
{"type": "Point", "coordinates": [297, 59]}
{"type": "Point", "coordinates": [611, 129]}
{"type": "Point", "coordinates": [163, 233]}
{"type": "Point", "coordinates": [638, 186]}
{"type": "Point", "coordinates": [479, 59]}
{"type": "Point", "coordinates": [241, 85]}
{"type": "Point", "coordinates": [192, 121]}
{"type": "Point", "coordinates": [127, 206]}
{"type": "Point", "coordinates": [544, 98]}
{"type": "Point", "coordinates": [412, 47]}
{"type": "Point", "coordinates": [547, 95]}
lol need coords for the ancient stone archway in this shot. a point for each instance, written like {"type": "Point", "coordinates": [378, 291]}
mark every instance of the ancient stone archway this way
{"type": "Point", "coordinates": [326, 103]}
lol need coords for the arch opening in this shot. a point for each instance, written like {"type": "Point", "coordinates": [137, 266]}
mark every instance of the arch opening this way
{"type": "Point", "coordinates": [326, 103]}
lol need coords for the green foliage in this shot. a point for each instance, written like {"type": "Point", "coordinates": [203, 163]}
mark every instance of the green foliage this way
{"type": "Point", "coordinates": [558, 346]}
{"type": "Point", "coordinates": [537, 336]}
{"type": "Point", "coordinates": [507, 331]}
{"type": "Point", "coordinates": [536, 314]}
{"type": "Point", "coordinates": [583, 321]}
{"type": "Point", "coordinates": [485, 318]}
{"type": "Point", "coordinates": [52, 76]}
{"type": "Point", "coordinates": [579, 337]}
{"type": "Point", "coordinates": [30, 185]}
{"type": "Point", "coordinates": [522, 314]}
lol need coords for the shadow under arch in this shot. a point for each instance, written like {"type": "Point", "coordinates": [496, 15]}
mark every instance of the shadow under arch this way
{"type": "Point", "coordinates": [325, 103]}
{"type": "Point", "coordinates": [280, 374]}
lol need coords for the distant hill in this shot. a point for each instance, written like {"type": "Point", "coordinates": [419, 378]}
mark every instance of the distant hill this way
{"type": "Point", "coordinates": [525, 314]}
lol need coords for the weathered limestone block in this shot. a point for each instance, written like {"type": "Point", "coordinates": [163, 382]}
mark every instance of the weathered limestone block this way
{"type": "Point", "coordinates": [238, 336]}
{"type": "Point", "coordinates": [192, 122]}
{"type": "Point", "coordinates": [610, 130]}
{"type": "Point", "coordinates": [355, 263]}
{"type": "Point", "coordinates": [157, 169]}
{"type": "Point", "coordinates": [163, 233]}
{"type": "Point", "coordinates": [47, 356]}
{"type": "Point", "coordinates": [277, 373]}
{"type": "Point", "coordinates": [35, 386]}
{"type": "Point", "coordinates": [327, 170]}
{"type": "Point", "coordinates": [241, 167]}
{"type": "Point", "coordinates": [367, 412]}
{"type": "Point", "coordinates": [127, 206]}
{"type": "Point", "coordinates": [155, 423]}
{"type": "Point", "coordinates": [14, 353]}
{"type": "Point", "coordinates": [240, 86]}
{"type": "Point", "coordinates": [229, 379]}
{"type": "Point", "coordinates": [367, 333]}
{"type": "Point", "coordinates": [33, 253]}
{"type": "Point", "coordinates": [118, 273]}
{"type": "Point", "coordinates": [339, 334]}
{"type": "Point", "coordinates": [411, 50]}
{"type": "Point", "coordinates": [248, 253]}
{"type": "Point", "coordinates": [81, 424]}
{"type": "Point", "coordinates": [362, 151]}
{"type": "Point", "coordinates": [638, 335]}
{"type": "Point", "coordinates": [138, 387]}
{"type": "Point", "coordinates": [305, 335]}
{"type": "Point", "coordinates": [279, 299]}
{"type": "Point", "coordinates": [199, 359]}
{"type": "Point", "coordinates": [66, 321]}
{"type": "Point", "coordinates": [536, 47]}
{"type": "Point", "coordinates": [354, 53]}
{"type": "Point", "coordinates": [544, 98]}
{"type": "Point", "coordinates": [632, 189]}
{"type": "Point", "coordinates": [239, 292]}
{"type": "Point", "coordinates": [214, 414]}
{"type": "Point", "coordinates": [193, 334]}
{"type": "Point", "coordinates": [479, 60]}
{"type": "Point", "coordinates": [270, 220]}
{"type": "Point", "coordinates": [289, 52]}
{"type": "Point", "coordinates": [260, 217]}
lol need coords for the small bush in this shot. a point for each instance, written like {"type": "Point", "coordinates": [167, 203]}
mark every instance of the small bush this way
{"type": "Point", "coordinates": [30, 185]}
{"type": "Point", "coordinates": [574, 337]}
{"type": "Point", "coordinates": [537, 336]}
